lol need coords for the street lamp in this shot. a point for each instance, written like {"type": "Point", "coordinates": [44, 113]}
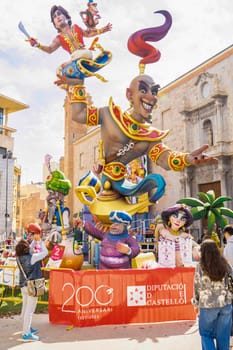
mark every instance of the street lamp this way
{"type": "Point", "coordinates": [8, 155]}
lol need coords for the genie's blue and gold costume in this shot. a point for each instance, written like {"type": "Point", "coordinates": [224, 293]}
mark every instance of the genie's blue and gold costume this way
{"type": "Point", "coordinates": [115, 171]}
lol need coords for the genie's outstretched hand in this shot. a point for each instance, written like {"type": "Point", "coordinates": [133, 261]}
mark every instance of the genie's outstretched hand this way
{"type": "Point", "coordinates": [197, 156]}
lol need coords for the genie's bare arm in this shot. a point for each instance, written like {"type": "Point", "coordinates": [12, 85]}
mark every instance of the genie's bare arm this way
{"type": "Point", "coordinates": [172, 160]}
{"type": "Point", "coordinates": [77, 97]}
{"type": "Point", "coordinates": [83, 110]}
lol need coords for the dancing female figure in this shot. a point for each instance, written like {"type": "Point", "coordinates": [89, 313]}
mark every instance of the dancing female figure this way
{"type": "Point", "coordinates": [175, 245]}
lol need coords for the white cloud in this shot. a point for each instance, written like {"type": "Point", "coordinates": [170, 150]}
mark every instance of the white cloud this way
{"type": "Point", "coordinates": [200, 30]}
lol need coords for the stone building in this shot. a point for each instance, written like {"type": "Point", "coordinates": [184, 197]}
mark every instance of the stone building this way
{"type": "Point", "coordinates": [73, 132]}
{"type": "Point", "coordinates": [197, 108]}
{"type": "Point", "coordinates": [10, 172]}
{"type": "Point", "coordinates": [32, 200]}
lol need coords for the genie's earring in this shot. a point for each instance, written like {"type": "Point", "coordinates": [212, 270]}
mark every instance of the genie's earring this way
{"type": "Point", "coordinates": [169, 223]}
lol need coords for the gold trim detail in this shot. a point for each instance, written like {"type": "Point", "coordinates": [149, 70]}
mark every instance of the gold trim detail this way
{"type": "Point", "coordinates": [115, 171]}
{"type": "Point", "coordinates": [156, 151]}
{"type": "Point", "coordinates": [92, 116]}
{"type": "Point", "coordinates": [78, 94]}
{"type": "Point", "coordinates": [177, 161]}
{"type": "Point", "coordinates": [132, 128]}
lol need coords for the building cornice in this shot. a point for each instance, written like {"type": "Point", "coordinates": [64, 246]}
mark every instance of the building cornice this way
{"type": "Point", "coordinates": [10, 105]}
{"type": "Point", "coordinates": [198, 70]}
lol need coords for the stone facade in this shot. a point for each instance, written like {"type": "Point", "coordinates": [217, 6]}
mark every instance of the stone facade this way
{"type": "Point", "coordinates": [197, 109]}
{"type": "Point", "coordinates": [72, 133]}
{"type": "Point", "coordinates": [86, 156]}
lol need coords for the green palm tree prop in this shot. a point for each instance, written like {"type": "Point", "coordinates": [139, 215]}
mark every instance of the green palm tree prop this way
{"type": "Point", "coordinates": [210, 208]}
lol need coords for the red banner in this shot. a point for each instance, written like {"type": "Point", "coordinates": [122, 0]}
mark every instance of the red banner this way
{"type": "Point", "coordinates": [100, 297]}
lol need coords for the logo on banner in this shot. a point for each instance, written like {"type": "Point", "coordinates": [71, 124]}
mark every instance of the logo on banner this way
{"type": "Point", "coordinates": [136, 295]}
{"type": "Point", "coordinates": [157, 294]}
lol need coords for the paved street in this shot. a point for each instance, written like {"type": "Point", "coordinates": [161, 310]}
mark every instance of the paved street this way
{"type": "Point", "coordinates": [160, 336]}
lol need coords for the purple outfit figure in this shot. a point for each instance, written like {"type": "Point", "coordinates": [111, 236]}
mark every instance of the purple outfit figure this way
{"type": "Point", "coordinates": [118, 247]}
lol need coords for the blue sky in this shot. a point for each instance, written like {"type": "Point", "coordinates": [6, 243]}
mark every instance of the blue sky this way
{"type": "Point", "coordinates": [200, 29]}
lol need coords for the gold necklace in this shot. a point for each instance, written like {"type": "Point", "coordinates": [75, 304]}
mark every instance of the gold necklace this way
{"type": "Point", "coordinates": [173, 232]}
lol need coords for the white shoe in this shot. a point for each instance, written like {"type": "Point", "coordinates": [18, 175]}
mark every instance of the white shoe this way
{"type": "Point", "coordinates": [231, 341]}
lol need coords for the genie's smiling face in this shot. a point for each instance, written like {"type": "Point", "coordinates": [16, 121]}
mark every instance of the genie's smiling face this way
{"type": "Point", "coordinates": [142, 95]}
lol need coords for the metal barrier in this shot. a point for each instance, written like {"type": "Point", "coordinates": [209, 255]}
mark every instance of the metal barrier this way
{"type": "Point", "coordinates": [9, 281]}
{"type": "Point", "coordinates": [7, 245]}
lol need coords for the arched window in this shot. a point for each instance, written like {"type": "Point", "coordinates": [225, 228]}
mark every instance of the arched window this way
{"type": "Point", "coordinates": [208, 132]}
{"type": "Point", "coordinates": [205, 89]}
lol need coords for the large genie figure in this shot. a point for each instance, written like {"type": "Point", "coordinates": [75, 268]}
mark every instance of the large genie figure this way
{"type": "Point", "coordinates": [126, 135]}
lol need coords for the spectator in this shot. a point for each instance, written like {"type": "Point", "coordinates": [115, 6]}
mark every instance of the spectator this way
{"type": "Point", "coordinates": [31, 264]}
{"type": "Point", "coordinates": [228, 254]}
{"type": "Point", "coordinates": [212, 299]}
{"type": "Point", "coordinates": [228, 249]}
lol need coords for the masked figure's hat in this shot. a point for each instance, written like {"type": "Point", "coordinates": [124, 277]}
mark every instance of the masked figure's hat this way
{"type": "Point", "coordinates": [120, 217]}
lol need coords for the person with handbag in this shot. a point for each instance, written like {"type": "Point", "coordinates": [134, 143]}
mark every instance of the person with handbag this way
{"type": "Point", "coordinates": [212, 297]}
{"type": "Point", "coordinates": [29, 263]}
{"type": "Point", "coordinates": [228, 254]}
